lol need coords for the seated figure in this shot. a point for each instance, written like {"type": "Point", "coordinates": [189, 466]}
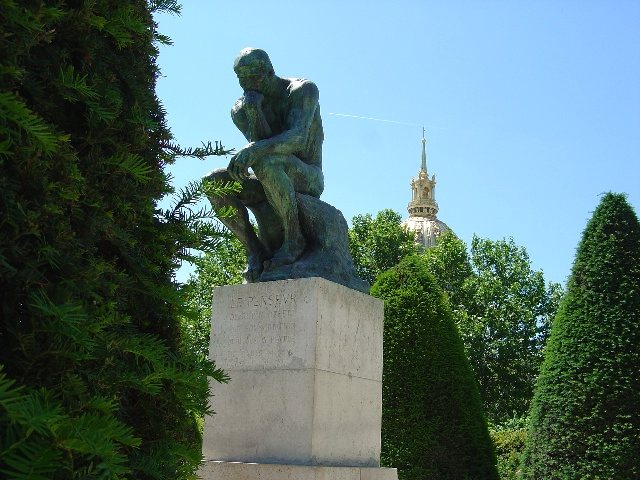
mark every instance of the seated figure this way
{"type": "Point", "coordinates": [298, 234]}
{"type": "Point", "coordinates": [280, 118]}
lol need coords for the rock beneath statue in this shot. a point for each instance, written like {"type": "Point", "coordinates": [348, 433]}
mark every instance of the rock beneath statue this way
{"type": "Point", "coordinates": [327, 253]}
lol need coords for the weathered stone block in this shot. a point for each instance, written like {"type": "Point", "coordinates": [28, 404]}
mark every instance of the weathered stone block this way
{"type": "Point", "coordinates": [254, 471]}
{"type": "Point", "coordinates": [305, 361]}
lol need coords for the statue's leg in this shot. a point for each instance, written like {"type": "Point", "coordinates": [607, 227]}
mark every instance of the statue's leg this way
{"type": "Point", "coordinates": [270, 231]}
{"type": "Point", "coordinates": [239, 223]}
{"type": "Point", "coordinates": [281, 176]}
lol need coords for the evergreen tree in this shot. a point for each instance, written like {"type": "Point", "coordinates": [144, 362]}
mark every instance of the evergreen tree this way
{"type": "Point", "coordinates": [95, 378]}
{"type": "Point", "coordinates": [432, 420]}
{"type": "Point", "coordinates": [584, 415]}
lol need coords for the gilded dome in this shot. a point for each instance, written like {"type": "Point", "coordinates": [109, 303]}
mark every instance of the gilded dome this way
{"type": "Point", "coordinates": [426, 229]}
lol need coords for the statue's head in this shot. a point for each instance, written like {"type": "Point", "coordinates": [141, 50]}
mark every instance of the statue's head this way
{"type": "Point", "coordinates": [253, 67]}
{"type": "Point", "coordinates": [253, 61]}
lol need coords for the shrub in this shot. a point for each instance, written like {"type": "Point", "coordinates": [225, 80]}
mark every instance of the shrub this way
{"type": "Point", "coordinates": [509, 440]}
{"type": "Point", "coordinates": [584, 415]}
{"type": "Point", "coordinates": [432, 420]}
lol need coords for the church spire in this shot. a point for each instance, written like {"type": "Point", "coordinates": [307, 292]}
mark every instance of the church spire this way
{"type": "Point", "coordinates": [423, 209]}
{"type": "Point", "coordinates": [423, 166]}
{"type": "Point", "coordinates": [423, 197]}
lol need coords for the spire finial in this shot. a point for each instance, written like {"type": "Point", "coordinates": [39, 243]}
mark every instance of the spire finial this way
{"type": "Point", "coordinates": [423, 166]}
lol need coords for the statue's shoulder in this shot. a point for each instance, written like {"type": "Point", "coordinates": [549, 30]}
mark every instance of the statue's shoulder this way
{"type": "Point", "coordinates": [302, 87]}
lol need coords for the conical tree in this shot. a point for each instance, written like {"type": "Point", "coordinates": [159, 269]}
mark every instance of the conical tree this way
{"type": "Point", "coordinates": [432, 420]}
{"type": "Point", "coordinates": [584, 415]}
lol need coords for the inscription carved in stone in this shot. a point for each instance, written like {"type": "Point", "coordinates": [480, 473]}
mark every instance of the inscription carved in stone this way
{"type": "Point", "coordinates": [256, 321]}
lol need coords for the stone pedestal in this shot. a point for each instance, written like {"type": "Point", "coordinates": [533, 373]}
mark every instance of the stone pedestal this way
{"type": "Point", "coordinates": [305, 361]}
{"type": "Point", "coordinates": [257, 471]}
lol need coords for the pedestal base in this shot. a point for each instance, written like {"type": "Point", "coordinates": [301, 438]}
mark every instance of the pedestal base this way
{"type": "Point", "coordinates": [213, 470]}
{"type": "Point", "coordinates": [305, 361]}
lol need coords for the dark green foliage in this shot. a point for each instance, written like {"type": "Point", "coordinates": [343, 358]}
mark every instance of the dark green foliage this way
{"type": "Point", "coordinates": [377, 244]}
{"type": "Point", "coordinates": [96, 379]}
{"type": "Point", "coordinates": [584, 415]}
{"type": "Point", "coordinates": [502, 308]}
{"type": "Point", "coordinates": [432, 420]}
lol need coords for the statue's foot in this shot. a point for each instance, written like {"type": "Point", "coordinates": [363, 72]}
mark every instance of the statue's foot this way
{"type": "Point", "coordinates": [255, 267]}
{"type": "Point", "coordinates": [286, 255]}
{"type": "Point", "coordinates": [251, 275]}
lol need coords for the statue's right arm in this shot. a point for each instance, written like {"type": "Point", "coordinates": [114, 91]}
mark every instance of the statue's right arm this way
{"type": "Point", "coordinates": [248, 117]}
{"type": "Point", "coordinates": [239, 118]}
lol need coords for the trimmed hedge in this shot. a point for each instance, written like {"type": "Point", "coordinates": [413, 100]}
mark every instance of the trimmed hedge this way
{"type": "Point", "coordinates": [432, 420]}
{"type": "Point", "coordinates": [584, 416]}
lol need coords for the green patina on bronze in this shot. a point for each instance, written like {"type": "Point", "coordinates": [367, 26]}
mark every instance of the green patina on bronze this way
{"type": "Point", "coordinates": [298, 234]}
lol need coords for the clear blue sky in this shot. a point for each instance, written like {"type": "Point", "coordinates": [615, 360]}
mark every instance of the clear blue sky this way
{"type": "Point", "coordinates": [532, 108]}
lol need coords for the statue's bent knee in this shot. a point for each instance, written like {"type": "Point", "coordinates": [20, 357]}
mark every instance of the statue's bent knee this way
{"type": "Point", "coordinates": [219, 174]}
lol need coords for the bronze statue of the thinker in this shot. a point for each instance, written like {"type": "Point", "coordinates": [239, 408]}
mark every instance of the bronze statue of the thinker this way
{"type": "Point", "coordinates": [280, 118]}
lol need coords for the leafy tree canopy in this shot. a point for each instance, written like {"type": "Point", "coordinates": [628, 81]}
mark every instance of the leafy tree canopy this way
{"type": "Point", "coordinates": [501, 306]}
{"type": "Point", "coordinates": [379, 243]}
{"type": "Point", "coordinates": [224, 266]}
{"type": "Point", "coordinates": [503, 310]}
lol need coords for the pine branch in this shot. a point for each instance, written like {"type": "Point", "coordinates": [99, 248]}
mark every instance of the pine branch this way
{"type": "Point", "coordinates": [75, 85]}
{"type": "Point", "coordinates": [14, 110]}
{"type": "Point", "coordinates": [133, 164]}
{"type": "Point", "coordinates": [165, 6]}
{"type": "Point", "coordinates": [208, 149]}
{"type": "Point", "coordinates": [122, 24]}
